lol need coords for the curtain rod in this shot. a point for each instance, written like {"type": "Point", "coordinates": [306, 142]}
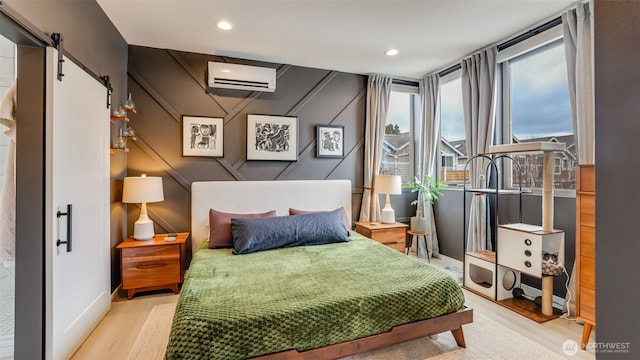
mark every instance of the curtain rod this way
{"type": "Point", "coordinates": [405, 82]}
{"type": "Point", "coordinates": [512, 41]}
{"type": "Point", "coordinates": [531, 33]}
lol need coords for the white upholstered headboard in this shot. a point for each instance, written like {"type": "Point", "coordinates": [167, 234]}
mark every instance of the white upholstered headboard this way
{"type": "Point", "coordinates": [262, 196]}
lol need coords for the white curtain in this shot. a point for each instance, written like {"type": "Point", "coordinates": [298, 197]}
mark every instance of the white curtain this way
{"type": "Point", "coordinates": [429, 139]}
{"type": "Point", "coordinates": [8, 188]}
{"type": "Point", "coordinates": [378, 93]}
{"type": "Point", "coordinates": [478, 95]}
{"type": "Point", "coordinates": [576, 24]}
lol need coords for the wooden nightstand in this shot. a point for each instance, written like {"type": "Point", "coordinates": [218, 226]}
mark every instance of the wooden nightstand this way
{"type": "Point", "coordinates": [392, 235]}
{"type": "Point", "coordinates": [152, 264]}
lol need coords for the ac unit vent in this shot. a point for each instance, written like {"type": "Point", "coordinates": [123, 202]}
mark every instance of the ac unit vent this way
{"type": "Point", "coordinates": [241, 77]}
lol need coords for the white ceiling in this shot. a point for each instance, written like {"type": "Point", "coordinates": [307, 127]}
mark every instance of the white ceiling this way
{"type": "Point", "coordinates": [346, 35]}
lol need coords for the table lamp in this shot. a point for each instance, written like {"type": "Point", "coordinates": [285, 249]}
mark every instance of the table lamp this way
{"type": "Point", "coordinates": [142, 189]}
{"type": "Point", "coordinates": [389, 185]}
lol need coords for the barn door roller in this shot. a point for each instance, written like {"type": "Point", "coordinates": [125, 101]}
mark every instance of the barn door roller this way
{"type": "Point", "coordinates": [57, 43]}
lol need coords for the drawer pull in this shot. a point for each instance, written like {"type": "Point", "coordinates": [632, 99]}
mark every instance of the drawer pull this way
{"type": "Point", "coordinates": [527, 264]}
{"type": "Point", "coordinates": [527, 252]}
{"type": "Point", "coordinates": [527, 242]}
{"type": "Point", "coordinates": [390, 243]}
{"type": "Point", "coordinates": [150, 266]}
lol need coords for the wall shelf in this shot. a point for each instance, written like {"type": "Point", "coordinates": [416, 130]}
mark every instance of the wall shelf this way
{"type": "Point", "coordinates": [119, 118]}
{"type": "Point", "coordinates": [121, 115]}
{"type": "Point", "coordinates": [115, 150]}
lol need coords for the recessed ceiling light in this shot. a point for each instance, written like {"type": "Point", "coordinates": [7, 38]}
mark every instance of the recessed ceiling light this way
{"type": "Point", "coordinates": [391, 52]}
{"type": "Point", "coordinates": [224, 25]}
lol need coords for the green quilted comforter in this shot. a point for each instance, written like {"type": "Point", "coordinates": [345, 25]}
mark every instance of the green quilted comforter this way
{"type": "Point", "coordinates": [241, 306]}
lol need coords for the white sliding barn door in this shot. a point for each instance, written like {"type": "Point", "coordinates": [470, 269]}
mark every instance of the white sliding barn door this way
{"type": "Point", "coordinates": [77, 174]}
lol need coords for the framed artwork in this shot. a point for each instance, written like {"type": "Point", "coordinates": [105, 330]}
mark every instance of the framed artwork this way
{"type": "Point", "coordinates": [202, 136]}
{"type": "Point", "coordinates": [272, 137]}
{"type": "Point", "coordinates": [330, 141]}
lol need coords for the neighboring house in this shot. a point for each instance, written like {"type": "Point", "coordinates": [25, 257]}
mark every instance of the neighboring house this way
{"type": "Point", "coordinates": [396, 152]}
{"type": "Point", "coordinates": [564, 175]}
{"type": "Point", "coordinates": [454, 158]}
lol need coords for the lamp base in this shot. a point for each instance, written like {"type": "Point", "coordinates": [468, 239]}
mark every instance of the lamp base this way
{"type": "Point", "coordinates": [143, 228]}
{"type": "Point", "coordinates": [388, 216]}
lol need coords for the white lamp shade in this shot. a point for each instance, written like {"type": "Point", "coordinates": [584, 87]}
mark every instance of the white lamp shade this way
{"type": "Point", "coordinates": [142, 189]}
{"type": "Point", "coordinates": [388, 184]}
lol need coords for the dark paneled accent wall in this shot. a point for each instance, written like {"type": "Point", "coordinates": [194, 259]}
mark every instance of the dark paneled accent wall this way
{"type": "Point", "coordinates": [168, 84]}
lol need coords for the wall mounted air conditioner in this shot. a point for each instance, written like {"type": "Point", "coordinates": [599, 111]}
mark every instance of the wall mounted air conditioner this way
{"type": "Point", "coordinates": [241, 77]}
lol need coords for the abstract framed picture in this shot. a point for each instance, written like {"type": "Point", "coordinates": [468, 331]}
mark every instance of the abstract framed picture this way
{"type": "Point", "coordinates": [272, 137]}
{"type": "Point", "coordinates": [202, 136]}
{"type": "Point", "coordinates": [330, 141]}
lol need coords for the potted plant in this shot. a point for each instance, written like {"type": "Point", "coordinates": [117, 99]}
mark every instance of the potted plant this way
{"type": "Point", "coordinates": [429, 191]}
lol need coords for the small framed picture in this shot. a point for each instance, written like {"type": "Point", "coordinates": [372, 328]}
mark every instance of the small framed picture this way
{"type": "Point", "coordinates": [202, 136]}
{"type": "Point", "coordinates": [272, 137]}
{"type": "Point", "coordinates": [330, 141]}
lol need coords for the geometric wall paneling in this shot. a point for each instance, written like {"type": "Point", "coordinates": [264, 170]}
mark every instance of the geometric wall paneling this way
{"type": "Point", "coordinates": [168, 84]}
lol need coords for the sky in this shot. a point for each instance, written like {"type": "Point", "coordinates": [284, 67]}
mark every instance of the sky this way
{"type": "Point", "coordinates": [540, 95]}
{"type": "Point", "coordinates": [398, 112]}
{"type": "Point", "coordinates": [540, 98]}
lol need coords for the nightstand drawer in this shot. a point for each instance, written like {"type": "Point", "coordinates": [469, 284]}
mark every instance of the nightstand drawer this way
{"type": "Point", "coordinates": [150, 253]}
{"type": "Point", "coordinates": [391, 235]}
{"type": "Point", "coordinates": [150, 273]}
{"type": "Point", "coordinates": [397, 244]}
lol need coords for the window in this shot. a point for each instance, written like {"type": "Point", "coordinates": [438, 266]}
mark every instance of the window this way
{"type": "Point", "coordinates": [397, 150]}
{"type": "Point", "coordinates": [536, 107]}
{"type": "Point", "coordinates": [453, 146]}
{"type": "Point", "coordinates": [447, 161]}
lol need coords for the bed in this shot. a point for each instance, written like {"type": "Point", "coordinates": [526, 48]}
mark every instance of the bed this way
{"type": "Point", "coordinates": [303, 302]}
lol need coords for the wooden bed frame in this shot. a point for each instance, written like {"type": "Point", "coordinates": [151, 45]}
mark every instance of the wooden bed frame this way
{"type": "Point", "coordinates": [397, 335]}
{"type": "Point", "coordinates": [261, 196]}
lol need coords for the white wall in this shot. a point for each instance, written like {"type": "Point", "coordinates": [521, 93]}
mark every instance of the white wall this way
{"type": "Point", "coordinates": [7, 76]}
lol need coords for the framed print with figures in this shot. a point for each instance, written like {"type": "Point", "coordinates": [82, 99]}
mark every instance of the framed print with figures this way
{"type": "Point", "coordinates": [330, 141]}
{"type": "Point", "coordinates": [272, 137]}
{"type": "Point", "coordinates": [202, 136]}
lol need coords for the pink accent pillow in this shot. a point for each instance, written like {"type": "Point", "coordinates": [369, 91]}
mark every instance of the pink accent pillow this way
{"type": "Point", "coordinates": [345, 218]}
{"type": "Point", "coordinates": [220, 227]}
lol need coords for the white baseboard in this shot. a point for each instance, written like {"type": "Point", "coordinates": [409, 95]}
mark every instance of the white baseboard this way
{"type": "Point", "coordinates": [558, 302]}
{"type": "Point", "coordinates": [114, 294]}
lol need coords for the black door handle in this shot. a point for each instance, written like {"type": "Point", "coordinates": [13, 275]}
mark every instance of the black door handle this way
{"type": "Point", "coordinates": [68, 215]}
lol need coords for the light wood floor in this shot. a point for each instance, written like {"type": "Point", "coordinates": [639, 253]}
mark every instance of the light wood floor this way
{"type": "Point", "coordinates": [114, 336]}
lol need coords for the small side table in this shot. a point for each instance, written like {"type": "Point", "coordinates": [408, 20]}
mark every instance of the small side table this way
{"type": "Point", "coordinates": [412, 235]}
{"type": "Point", "coordinates": [152, 264]}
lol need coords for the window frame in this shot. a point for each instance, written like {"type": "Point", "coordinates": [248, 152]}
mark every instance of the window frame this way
{"type": "Point", "coordinates": [451, 76]}
{"type": "Point", "coordinates": [414, 123]}
{"type": "Point", "coordinates": [503, 128]}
